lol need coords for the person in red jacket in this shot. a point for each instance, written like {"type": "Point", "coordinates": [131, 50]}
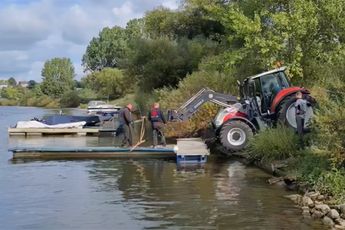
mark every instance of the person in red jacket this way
{"type": "Point", "coordinates": [157, 122]}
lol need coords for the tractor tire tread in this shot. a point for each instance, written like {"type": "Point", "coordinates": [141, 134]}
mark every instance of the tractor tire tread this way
{"type": "Point", "coordinates": [234, 124]}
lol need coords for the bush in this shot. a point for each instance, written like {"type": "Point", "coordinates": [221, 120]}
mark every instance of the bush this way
{"type": "Point", "coordinates": [109, 83]}
{"type": "Point", "coordinates": [317, 172]}
{"type": "Point", "coordinates": [329, 125]}
{"type": "Point", "coordinates": [87, 95]}
{"type": "Point", "coordinates": [8, 102]}
{"type": "Point", "coordinates": [309, 167]}
{"type": "Point", "coordinates": [274, 144]}
{"type": "Point", "coordinates": [333, 182]}
{"type": "Point", "coordinates": [46, 101]}
{"type": "Point", "coordinates": [144, 101]}
{"type": "Point", "coordinates": [70, 99]}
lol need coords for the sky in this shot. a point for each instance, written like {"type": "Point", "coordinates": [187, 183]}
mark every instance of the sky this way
{"type": "Point", "coordinates": [33, 31]}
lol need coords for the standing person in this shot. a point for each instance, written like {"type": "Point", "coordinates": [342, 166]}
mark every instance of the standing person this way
{"type": "Point", "coordinates": [125, 125]}
{"type": "Point", "coordinates": [301, 109]}
{"type": "Point", "coordinates": [157, 122]}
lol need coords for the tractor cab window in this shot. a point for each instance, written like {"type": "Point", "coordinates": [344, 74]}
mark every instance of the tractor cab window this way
{"type": "Point", "coordinates": [270, 84]}
{"type": "Point", "coordinates": [283, 80]}
{"type": "Point", "coordinates": [258, 96]}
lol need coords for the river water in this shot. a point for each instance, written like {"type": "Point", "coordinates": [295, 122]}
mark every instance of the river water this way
{"type": "Point", "coordinates": [133, 194]}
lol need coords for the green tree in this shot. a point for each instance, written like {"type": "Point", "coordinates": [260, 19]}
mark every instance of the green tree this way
{"type": "Point", "coordinates": [135, 29]}
{"type": "Point", "coordinates": [32, 84]}
{"type": "Point", "coordinates": [11, 81]}
{"type": "Point", "coordinates": [12, 93]}
{"type": "Point", "coordinates": [109, 49]}
{"type": "Point", "coordinates": [189, 22]}
{"type": "Point", "coordinates": [262, 32]}
{"type": "Point", "coordinates": [160, 23]}
{"type": "Point", "coordinates": [108, 83]}
{"type": "Point", "coordinates": [57, 75]}
{"type": "Point", "coordinates": [162, 62]}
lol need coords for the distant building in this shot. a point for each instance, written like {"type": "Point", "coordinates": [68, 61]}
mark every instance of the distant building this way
{"type": "Point", "coordinates": [24, 84]}
{"type": "Point", "coordinates": [3, 86]}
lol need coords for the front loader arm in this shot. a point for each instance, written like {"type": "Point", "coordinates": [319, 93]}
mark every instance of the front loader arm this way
{"type": "Point", "coordinates": [191, 106]}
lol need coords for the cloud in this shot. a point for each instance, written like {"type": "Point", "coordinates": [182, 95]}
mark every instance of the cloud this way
{"type": "Point", "coordinates": [125, 12]}
{"type": "Point", "coordinates": [34, 71]}
{"type": "Point", "coordinates": [33, 31]}
{"type": "Point", "coordinates": [21, 26]}
{"type": "Point", "coordinates": [9, 59]}
{"type": "Point", "coordinates": [172, 4]}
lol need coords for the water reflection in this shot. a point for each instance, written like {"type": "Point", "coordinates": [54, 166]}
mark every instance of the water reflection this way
{"type": "Point", "coordinates": [228, 194]}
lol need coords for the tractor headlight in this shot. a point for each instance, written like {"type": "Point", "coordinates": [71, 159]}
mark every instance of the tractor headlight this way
{"type": "Point", "coordinates": [218, 120]}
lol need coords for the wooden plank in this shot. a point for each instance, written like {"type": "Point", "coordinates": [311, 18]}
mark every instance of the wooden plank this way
{"type": "Point", "coordinates": [191, 146]}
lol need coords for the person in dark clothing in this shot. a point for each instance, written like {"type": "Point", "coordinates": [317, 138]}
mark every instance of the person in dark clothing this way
{"type": "Point", "coordinates": [125, 125]}
{"type": "Point", "coordinates": [301, 109]}
{"type": "Point", "coordinates": [157, 122]}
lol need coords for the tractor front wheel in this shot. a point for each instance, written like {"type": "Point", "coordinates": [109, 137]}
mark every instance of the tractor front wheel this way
{"type": "Point", "coordinates": [234, 135]}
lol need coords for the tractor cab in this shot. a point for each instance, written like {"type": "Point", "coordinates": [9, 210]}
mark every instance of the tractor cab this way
{"type": "Point", "coordinates": [263, 88]}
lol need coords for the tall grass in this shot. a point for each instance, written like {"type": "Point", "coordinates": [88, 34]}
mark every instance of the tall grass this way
{"type": "Point", "coordinates": [274, 144]}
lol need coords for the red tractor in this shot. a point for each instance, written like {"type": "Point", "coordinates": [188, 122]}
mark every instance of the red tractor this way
{"type": "Point", "coordinates": [265, 99]}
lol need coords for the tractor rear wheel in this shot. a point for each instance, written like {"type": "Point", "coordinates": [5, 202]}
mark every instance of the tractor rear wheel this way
{"type": "Point", "coordinates": [234, 135]}
{"type": "Point", "coordinates": [287, 113]}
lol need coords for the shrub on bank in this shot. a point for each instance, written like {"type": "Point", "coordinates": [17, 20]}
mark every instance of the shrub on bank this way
{"type": "Point", "coordinates": [309, 167]}
{"type": "Point", "coordinates": [316, 171]}
{"type": "Point", "coordinates": [329, 125]}
{"type": "Point", "coordinates": [70, 99]}
{"type": "Point", "coordinates": [333, 182]}
{"type": "Point", "coordinates": [8, 102]}
{"type": "Point", "coordinates": [274, 144]}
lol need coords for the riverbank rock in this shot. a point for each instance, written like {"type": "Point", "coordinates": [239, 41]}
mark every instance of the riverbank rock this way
{"type": "Point", "coordinates": [334, 214]}
{"type": "Point", "coordinates": [342, 209]}
{"type": "Point", "coordinates": [296, 198]}
{"type": "Point", "coordinates": [306, 211]}
{"type": "Point", "coordinates": [340, 222]}
{"type": "Point", "coordinates": [307, 201]}
{"type": "Point", "coordinates": [320, 197]}
{"type": "Point", "coordinates": [275, 180]}
{"type": "Point", "coordinates": [312, 195]}
{"type": "Point", "coordinates": [317, 214]}
{"type": "Point", "coordinates": [339, 227]}
{"type": "Point", "coordinates": [324, 208]}
{"type": "Point", "coordinates": [327, 221]}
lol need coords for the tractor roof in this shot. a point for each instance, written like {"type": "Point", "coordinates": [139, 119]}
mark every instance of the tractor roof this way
{"type": "Point", "coordinates": [268, 72]}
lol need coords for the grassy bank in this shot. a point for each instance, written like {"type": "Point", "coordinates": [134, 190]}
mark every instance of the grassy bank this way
{"type": "Point", "coordinates": [43, 101]}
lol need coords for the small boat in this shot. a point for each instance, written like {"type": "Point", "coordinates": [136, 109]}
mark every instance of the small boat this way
{"type": "Point", "coordinates": [101, 106]}
{"type": "Point", "coordinates": [60, 121]}
{"type": "Point", "coordinates": [63, 119]}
